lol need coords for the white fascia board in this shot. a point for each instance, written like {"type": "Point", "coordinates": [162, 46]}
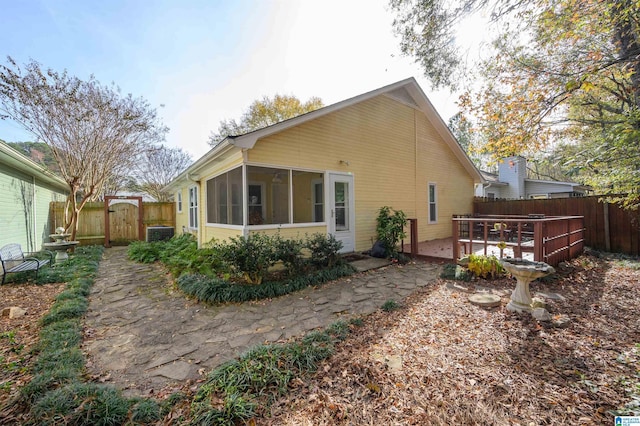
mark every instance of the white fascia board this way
{"type": "Point", "coordinates": [248, 141]}
{"type": "Point", "coordinates": [20, 162]}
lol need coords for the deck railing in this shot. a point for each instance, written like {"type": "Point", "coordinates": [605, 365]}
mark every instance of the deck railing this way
{"type": "Point", "coordinates": [551, 239]}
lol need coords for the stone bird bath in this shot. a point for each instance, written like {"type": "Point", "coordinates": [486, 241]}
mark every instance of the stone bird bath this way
{"type": "Point", "coordinates": [524, 271]}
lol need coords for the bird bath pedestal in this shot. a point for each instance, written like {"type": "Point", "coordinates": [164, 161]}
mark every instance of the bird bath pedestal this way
{"type": "Point", "coordinates": [60, 246]}
{"type": "Point", "coordinates": [524, 271]}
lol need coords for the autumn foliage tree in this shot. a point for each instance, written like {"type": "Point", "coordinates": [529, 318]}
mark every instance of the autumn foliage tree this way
{"type": "Point", "coordinates": [262, 113]}
{"type": "Point", "coordinates": [94, 132]}
{"type": "Point", "coordinates": [558, 72]}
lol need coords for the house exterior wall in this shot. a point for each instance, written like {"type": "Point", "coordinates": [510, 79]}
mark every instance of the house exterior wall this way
{"type": "Point", "coordinates": [390, 149]}
{"type": "Point", "coordinates": [24, 208]}
{"type": "Point", "coordinates": [513, 170]}
{"type": "Point", "coordinates": [547, 188]}
{"type": "Point", "coordinates": [182, 216]}
{"type": "Point", "coordinates": [437, 164]}
{"type": "Point", "coordinates": [293, 232]}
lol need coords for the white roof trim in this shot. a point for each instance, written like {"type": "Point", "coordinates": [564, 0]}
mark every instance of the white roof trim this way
{"type": "Point", "coordinates": [26, 165]}
{"type": "Point", "coordinates": [248, 140]}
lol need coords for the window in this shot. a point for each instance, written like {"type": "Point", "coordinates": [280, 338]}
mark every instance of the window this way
{"type": "Point", "coordinates": [193, 207]}
{"type": "Point", "coordinates": [433, 210]}
{"type": "Point", "coordinates": [256, 203]}
{"type": "Point", "coordinates": [179, 201]}
{"type": "Point", "coordinates": [318, 200]}
{"type": "Point", "coordinates": [271, 204]}
{"type": "Point", "coordinates": [224, 198]}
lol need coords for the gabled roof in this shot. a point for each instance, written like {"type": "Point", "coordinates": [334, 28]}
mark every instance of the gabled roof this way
{"type": "Point", "coordinates": [21, 162]}
{"type": "Point", "coordinates": [405, 91]}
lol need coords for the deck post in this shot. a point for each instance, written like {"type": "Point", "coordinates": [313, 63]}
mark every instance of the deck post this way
{"type": "Point", "coordinates": [537, 241]}
{"type": "Point", "coordinates": [456, 246]}
{"type": "Point", "coordinates": [414, 237]}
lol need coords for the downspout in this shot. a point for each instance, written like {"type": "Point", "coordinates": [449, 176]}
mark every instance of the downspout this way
{"type": "Point", "coordinates": [35, 215]}
{"type": "Point", "coordinates": [415, 162]}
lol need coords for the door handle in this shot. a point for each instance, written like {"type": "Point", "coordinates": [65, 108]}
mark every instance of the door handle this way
{"type": "Point", "coordinates": [332, 213]}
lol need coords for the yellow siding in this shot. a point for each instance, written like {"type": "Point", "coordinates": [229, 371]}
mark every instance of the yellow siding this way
{"type": "Point", "coordinates": [213, 232]}
{"type": "Point", "coordinates": [182, 218]}
{"type": "Point", "coordinates": [391, 150]}
{"type": "Point", "coordinates": [289, 233]}
{"type": "Point", "coordinates": [437, 164]}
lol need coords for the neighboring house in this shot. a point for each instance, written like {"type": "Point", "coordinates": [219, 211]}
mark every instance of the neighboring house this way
{"type": "Point", "coordinates": [511, 182]}
{"type": "Point", "coordinates": [26, 189]}
{"type": "Point", "coordinates": [329, 171]}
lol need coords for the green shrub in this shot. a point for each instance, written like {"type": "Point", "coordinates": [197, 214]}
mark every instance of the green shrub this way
{"type": "Point", "coordinates": [324, 250]}
{"type": "Point", "coordinates": [250, 257]}
{"type": "Point", "coordinates": [484, 266]}
{"type": "Point", "coordinates": [144, 252]}
{"type": "Point", "coordinates": [390, 226]}
{"type": "Point", "coordinates": [289, 251]}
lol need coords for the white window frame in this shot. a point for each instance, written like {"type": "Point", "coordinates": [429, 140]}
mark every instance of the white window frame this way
{"type": "Point", "coordinates": [431, 202]}
{"type": "Point", "coordinates": [263, 194]}
{"type": "Point", "coordinates": [179, 201]}
{"type": "Point", "coordinates": [193, 207]}
{"type": "Point", "coordinates": [314, 201]}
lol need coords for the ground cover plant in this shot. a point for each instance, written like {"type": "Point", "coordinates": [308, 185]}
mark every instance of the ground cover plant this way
{"type": "Point", "coordinates": [246, 268]}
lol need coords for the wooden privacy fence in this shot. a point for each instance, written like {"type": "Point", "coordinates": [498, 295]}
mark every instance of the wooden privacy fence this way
{"type": "Point", "coordinates": [607, 226]}
{"type": "Point", "coordinates": [124, 224]}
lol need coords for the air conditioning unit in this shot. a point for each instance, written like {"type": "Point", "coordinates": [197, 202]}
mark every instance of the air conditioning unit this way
{"type": "Point", "coordinates": [159, 233]}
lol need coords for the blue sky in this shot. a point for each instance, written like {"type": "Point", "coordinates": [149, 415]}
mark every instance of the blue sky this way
{"type": "Point", "coordinates": [208, 60]}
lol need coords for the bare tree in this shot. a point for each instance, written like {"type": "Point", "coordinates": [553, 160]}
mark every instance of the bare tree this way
{"type": "Point", "coordinates": [94, 132]}
{"type": "Point", "coordinates": [157, 167]}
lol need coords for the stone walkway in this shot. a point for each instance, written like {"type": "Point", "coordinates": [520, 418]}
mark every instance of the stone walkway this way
{"type": "Point", "coordinates": [141, 334]}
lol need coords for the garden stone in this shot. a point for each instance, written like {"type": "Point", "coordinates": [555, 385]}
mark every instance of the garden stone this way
{"type": "Point", "coordinates": [562, 322]}
{"type": "Point", "coordinates": [541, 314]}
{"type": "Point", "coordinates": [13, 312]}
{"type": "Point", "coordinates": [485, 300]}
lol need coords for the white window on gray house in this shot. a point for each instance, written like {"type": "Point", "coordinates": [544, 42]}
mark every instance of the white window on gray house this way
{"type": "Point", "coordinates": [193, 207]}
{"type": "Point", "coordinates": [179, 201]}
{"type": "Point", "coordinates": [433, 203]}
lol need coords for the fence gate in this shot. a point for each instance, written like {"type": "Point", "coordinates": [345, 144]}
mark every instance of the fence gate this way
{"type": "Point", "coordinates": [123, 220]}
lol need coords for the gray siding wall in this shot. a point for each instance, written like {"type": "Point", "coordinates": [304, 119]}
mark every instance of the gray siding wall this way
{"type": "Point", "coordinates": [24, 209]}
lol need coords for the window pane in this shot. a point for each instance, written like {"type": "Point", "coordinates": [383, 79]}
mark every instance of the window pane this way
{"type": "Point", "coordinates": [307, 196]}
{"type": "Point", "coordinates": [433, 213]}
{"type": "Point", "coordinates": [273, 199]}
{"type": "Point", "coordinates": [235, 184]}
{"type": "Point", "coordinates": [342, 206]}
{"type": "Point", "coordinates": [212, 215]}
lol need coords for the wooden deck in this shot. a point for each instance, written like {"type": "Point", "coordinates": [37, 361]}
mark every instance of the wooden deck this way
{"type": "Point", "coordinates": [546, 239]}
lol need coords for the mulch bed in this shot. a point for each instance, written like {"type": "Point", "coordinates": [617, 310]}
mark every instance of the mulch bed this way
{"type": "Point", "coordinates": [19, 335]}
{"type": "Point", "coordinates": [461, 364]}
